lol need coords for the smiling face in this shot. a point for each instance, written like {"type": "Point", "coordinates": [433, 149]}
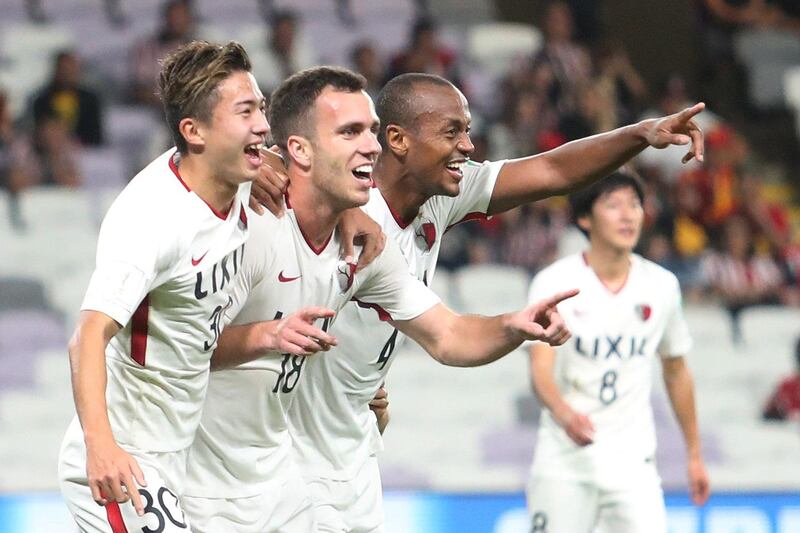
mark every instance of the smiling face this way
{"type": "Point", "coordinates": [438, 142]}
{"type": "Point", "coordinates": [344, 146]}
{"type": "Point", "coordinates": [615, 221]}
{"type": "Point", "coordinates": [235, 133]}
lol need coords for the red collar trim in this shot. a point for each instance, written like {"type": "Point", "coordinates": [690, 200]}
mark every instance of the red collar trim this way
{"type": "Point", "coordinates": [397, 218]}
{"type": "Point", "coordinates": [174, 168]}
{"type": "Point", "coordinates": [609, 289]}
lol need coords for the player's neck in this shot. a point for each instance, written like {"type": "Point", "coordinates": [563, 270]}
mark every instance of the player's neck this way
{"type": "Point", "coordinates": [213, 190]}
{"type": "Point", "coordinates": [316, 215]}
{"type": "Point", "coordinates": [398, 189]}
{"type": "Point", "coordinates": [610, 265]}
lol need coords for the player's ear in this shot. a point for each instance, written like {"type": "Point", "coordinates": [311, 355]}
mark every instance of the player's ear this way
{"type": "Point", "coordinates": [192, 130]}
{"type": "Point", "coordinates": [584, 223]}
{"type": "Point", "coordinates": [299, 150]}
{"type": "Point", "coordinates": [397, 139]}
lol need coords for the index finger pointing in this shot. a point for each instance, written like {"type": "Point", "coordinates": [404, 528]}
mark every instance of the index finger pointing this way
{"type": "Point", "coordinates": [690, 112]}
{"type": "Point", "coordinates": [311, 314]}
{"type": "Point", "coordinates": [560, 297]}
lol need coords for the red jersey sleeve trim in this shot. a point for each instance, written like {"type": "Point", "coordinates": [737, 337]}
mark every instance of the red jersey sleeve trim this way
{"type": "Point", "coordinates": [382, 314]}
{"type": "Point", "coordinates": [139, 323]}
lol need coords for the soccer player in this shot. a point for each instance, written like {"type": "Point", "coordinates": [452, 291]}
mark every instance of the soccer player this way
{"type": "Point", "coordinates": [594, 462]}
{"type": "Point", "coordinates": [169, 251]}
{"type": "Point", "coordinates": [241, 474]}
{"type": "Point", "coordinates": [425, 184]}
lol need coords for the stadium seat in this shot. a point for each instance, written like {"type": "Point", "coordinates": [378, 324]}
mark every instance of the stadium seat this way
{"type": "Point", "coordinates": [21, 293]}
{"type": "Point", "coordinates": [491, 289]}
{"type": "Point", "coordinates": [28, 51]}
{"type": "Point", "coordinates": [24, 334]}
{"type": "Point", "coordinates": [103, 168]}
{"type": "Point", "coordinates": [494, 46]}
{"type": "Point", "coordinates": [767, 55]}
{"type": "Point", "coordinates": [791, 90]}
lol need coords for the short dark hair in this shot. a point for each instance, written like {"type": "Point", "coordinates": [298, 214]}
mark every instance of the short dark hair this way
{"type": "Point", "coordinates": [293, 101]}
{"type": "Point", "coordinates": [189, 81]}
{"type": "Point", "coordinates": [583, 200]}
{"type": "Point", "coordinates": [395, 103]}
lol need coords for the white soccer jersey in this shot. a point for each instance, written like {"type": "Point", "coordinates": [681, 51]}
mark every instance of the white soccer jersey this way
{"type": "Point", "coordinates": [334, 437]}
{"type": "Point", "coordinates": [606, 369]}
{"type": "Point", "coordinates": [243, 445]}
{"type": "Point", "coordinates": [166, 262]}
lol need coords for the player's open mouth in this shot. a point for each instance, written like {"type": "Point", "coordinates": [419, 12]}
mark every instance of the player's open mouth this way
{"type": "Point", "coordinates": [253, 153]}
{"type": "Point", "coordinates": [456, 168]}
{"type": "Point", "coordinates": [363, 172]}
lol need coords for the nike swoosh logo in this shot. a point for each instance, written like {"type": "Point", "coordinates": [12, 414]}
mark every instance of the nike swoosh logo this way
{"type": "Point", "coordinates": [284, 279]}
{"type": "Point", "coordinates": [196, 262]}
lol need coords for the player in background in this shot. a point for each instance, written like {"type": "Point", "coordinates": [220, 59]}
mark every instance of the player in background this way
{"type": "Point", "coordinates": [241, 474]}
{"type": "Point", "coordinates": [425, 184]}
{"type": "Point", "coordinates": [595, 454]}
{"type": "Point", "coordinates": [169, 250]}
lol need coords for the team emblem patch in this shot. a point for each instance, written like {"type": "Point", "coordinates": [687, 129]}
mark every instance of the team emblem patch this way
{"type": "Point", "coordinates": [345, 274]}
{"type": "Point", "coordinates": [426, 234]}
{"type": "Point", "coordinates": [644, 311]}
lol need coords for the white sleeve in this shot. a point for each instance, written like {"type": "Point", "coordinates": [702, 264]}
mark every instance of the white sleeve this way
{"type": "Point", "coordinates": [476, 192]}
{"type": "Point", "coordinates": [267, 236]}
{"type": "Point", "coordinates": [676, 341]}
{"type": "Point", "coordinates": [134, 254]}
{"type": "Point", "coordinates": [391, 290]}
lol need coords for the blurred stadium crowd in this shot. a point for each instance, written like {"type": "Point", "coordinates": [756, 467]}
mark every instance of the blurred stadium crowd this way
{"type": "Point", "coordinates": [728, 229]}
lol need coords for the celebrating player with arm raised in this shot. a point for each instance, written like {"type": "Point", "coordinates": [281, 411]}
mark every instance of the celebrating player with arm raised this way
{"type": "Point", "coordinates": [241, 475]}
{"type": "Point", "coordinates": [425, 184]}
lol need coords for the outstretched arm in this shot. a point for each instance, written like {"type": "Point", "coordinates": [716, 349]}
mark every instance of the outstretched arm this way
{"type": "Point", "coordinates": [294, 334]}
{"type": "Point", "coordinates": [577, 425]}
{"type": "Point", "coordinates": [472, 340]}
{"type": "Point", "coordinates": [680, 388]}
{"type": "Point", "coordinates": [579, 163]}
{"type": "Point", "coordinates": [110, 470]}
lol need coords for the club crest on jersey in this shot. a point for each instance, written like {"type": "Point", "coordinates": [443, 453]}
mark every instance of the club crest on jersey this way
{"type": "Point", "coordinates": [345, 274]}
{"type": "Point", "coordinates": [425, 232]}
{"type": "Point", "coordinates": [644, 311]}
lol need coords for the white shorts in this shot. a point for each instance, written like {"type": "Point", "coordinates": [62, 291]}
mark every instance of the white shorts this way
{"type": "Point", "coordinates": [286, 508]}
{"type": "Point", "coordinates": [352, 506]}
{"type": "Point", "coordinates": [162, 473]}
{"type": "Point", "coordinates": [568, 506]}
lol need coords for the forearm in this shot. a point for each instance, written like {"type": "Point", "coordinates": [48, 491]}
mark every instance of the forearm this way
{"type": "Point", "coordinates": [581, 162]}
{"type": "Point", "coordinates": [467, 340]}
{"type": "Point", "coordinates": [680, 388]}
{"type": "Point", "coordinates": [88, 369]}
{"type": "Point", "coordinates": [244, 343]}
{"type": "Point", "coordinates": [567, 168]}
{"type": "Point", "coordinates": [547, 391]}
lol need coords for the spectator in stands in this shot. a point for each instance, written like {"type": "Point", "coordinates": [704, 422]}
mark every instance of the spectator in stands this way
{"type": "Point", "coordinates": [364, 59]}
{"type": "Point", "coordinates": [784, 403]}
{"type": "Point", "coordinates": [177, 28]}
{"type": "Point", "coordinates": [571, 64]}
{"type": "Point", "coordinates": [738, 276]}
{"type": "Point", "coordinates": [425, 53]}
{"type": "Point", "coordinates": [776, 14]}
{"type": "Point", "coordinates": [15, 167]}
{"type": "Point", "coordinates": [284, 53]}
{"type": "Point", "coordinates": [66, 97]}
{"type": "Point", "coordinates": [620, 83]}
{"type": "Point", "coordinates": [54, 154]}
{"type": "Point", "coordinates": [531, 233]}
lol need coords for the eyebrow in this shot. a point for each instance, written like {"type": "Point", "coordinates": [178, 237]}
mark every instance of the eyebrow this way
{"type": "Point", "coordinates": [251, 102]}
{"type": "Point", "coordinates": [361, 125]}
